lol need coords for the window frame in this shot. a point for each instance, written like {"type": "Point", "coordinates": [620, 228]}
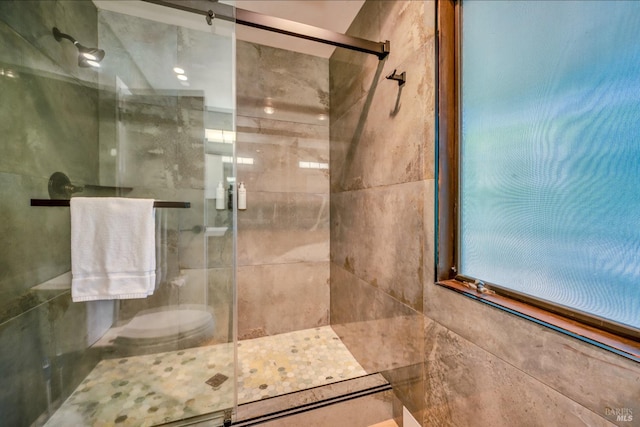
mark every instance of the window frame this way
{"type": "Point", "coordinates": [607, 335]}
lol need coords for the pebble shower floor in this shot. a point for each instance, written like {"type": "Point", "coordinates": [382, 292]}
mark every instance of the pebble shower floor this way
{"type": "Point", "coordinates": [159, 388]}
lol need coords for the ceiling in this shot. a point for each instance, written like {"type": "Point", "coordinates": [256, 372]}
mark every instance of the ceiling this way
{"type": "Point", "coordinates": [335, 15]}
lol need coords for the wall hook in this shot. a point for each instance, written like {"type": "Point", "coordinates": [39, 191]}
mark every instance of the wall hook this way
{"type": "Point", "coordinates": [400, 78]}
{"type": "Point", "coordinates": [210, 17]}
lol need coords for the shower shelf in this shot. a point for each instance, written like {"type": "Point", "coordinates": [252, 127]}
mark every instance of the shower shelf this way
{"type": "Point", "coordinates": [156, 204]}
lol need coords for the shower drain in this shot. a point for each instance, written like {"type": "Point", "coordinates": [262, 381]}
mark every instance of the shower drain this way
{"type": "Point", "coordinates": [217, 380]}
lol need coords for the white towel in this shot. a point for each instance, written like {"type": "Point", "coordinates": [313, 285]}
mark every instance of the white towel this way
{"type": "Point", "coordinates": [112, 248]}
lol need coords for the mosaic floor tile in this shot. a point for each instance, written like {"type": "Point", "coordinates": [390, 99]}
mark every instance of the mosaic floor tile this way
{"type": "Point", "coordinates": [149, 390]}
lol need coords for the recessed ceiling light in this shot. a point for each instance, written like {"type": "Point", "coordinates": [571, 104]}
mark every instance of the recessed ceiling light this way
{"type": "Point", "coordinates": [178, 70]}
{"type": "Point", "coordinates": [182, 77]}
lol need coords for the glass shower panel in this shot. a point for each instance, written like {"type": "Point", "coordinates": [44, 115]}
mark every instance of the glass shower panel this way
{"type": "Point", "coordinates": [139, 121]}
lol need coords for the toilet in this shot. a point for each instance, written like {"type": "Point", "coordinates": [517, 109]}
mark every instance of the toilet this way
{"type": "Point", "coordinates": [164, 329]}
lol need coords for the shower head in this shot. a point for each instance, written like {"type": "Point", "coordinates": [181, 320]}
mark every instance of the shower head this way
{"type": "Point", "coordinates": [87, 56]}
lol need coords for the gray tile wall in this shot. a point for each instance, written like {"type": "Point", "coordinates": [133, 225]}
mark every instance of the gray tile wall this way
{"type": "Point", "coordinates": [381, 138]}
{"type": "Point", "coordinates": [452, 361]}
{"type": "Point", "coordinates": [283, 236]}
{"type": "Point", "coordinates": [48, 123]}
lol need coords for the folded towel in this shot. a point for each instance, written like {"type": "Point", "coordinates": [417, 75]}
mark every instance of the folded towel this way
{"type": "Point", "coordinates": [112, 248]}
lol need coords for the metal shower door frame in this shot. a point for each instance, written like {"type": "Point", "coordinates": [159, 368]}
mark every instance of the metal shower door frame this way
{"type": "Point", "coordinates": [215, 10]}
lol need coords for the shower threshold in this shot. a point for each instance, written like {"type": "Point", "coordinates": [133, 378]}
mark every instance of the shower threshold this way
{"type": "Point", "coordinates": [163, 388]}
{"type": "Point", "coordinates": [278, 407]}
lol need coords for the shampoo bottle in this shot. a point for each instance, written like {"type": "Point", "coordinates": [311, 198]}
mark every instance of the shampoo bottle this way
{"type": "Point", "coordinates": [242, 197]}
{"type": "Point", "coordinates": [220, 197]}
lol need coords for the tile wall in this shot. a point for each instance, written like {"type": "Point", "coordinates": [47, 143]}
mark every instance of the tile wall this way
{"type": "Point", "coordinates": [452, 361]}
{"type": "Point", "coordinates": [48, 123]}
{"type": "Point", "coordinates": [381, 193]}
{"type": "Point", "coordinates": [283, 235]}
{"type": "Point", "coordinates": [47, 119]}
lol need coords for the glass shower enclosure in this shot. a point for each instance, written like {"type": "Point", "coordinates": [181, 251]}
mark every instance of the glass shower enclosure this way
{"type": "Point", "coordinates": [117, 99]}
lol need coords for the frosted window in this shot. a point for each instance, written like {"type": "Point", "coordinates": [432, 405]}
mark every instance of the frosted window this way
{"type": "Point", "coordinates": [550, 152]}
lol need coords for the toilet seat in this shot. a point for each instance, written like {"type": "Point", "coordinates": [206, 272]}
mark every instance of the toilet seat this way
{"type": "Point", "coordinates": [164, 329]}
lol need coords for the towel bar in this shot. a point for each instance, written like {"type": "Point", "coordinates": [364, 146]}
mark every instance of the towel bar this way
{"type": "Point", "coordinates": [157, 204]}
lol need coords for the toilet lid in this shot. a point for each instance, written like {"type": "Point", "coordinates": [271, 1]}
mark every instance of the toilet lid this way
{"type": "Point", "coordinates": [165, 323]}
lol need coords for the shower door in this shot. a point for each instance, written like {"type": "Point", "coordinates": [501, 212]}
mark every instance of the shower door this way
{"type": "Point", "coordinates": [152, 117]}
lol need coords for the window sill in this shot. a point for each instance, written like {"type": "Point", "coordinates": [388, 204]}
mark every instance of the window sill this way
{"type": "Point", "coordinates": [620, 345]}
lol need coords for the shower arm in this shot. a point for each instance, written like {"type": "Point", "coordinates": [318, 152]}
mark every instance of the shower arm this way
{"type": "Point", "coordinates": [214, 10]}
{"type": "Point", "coordinates": [57, 34]}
